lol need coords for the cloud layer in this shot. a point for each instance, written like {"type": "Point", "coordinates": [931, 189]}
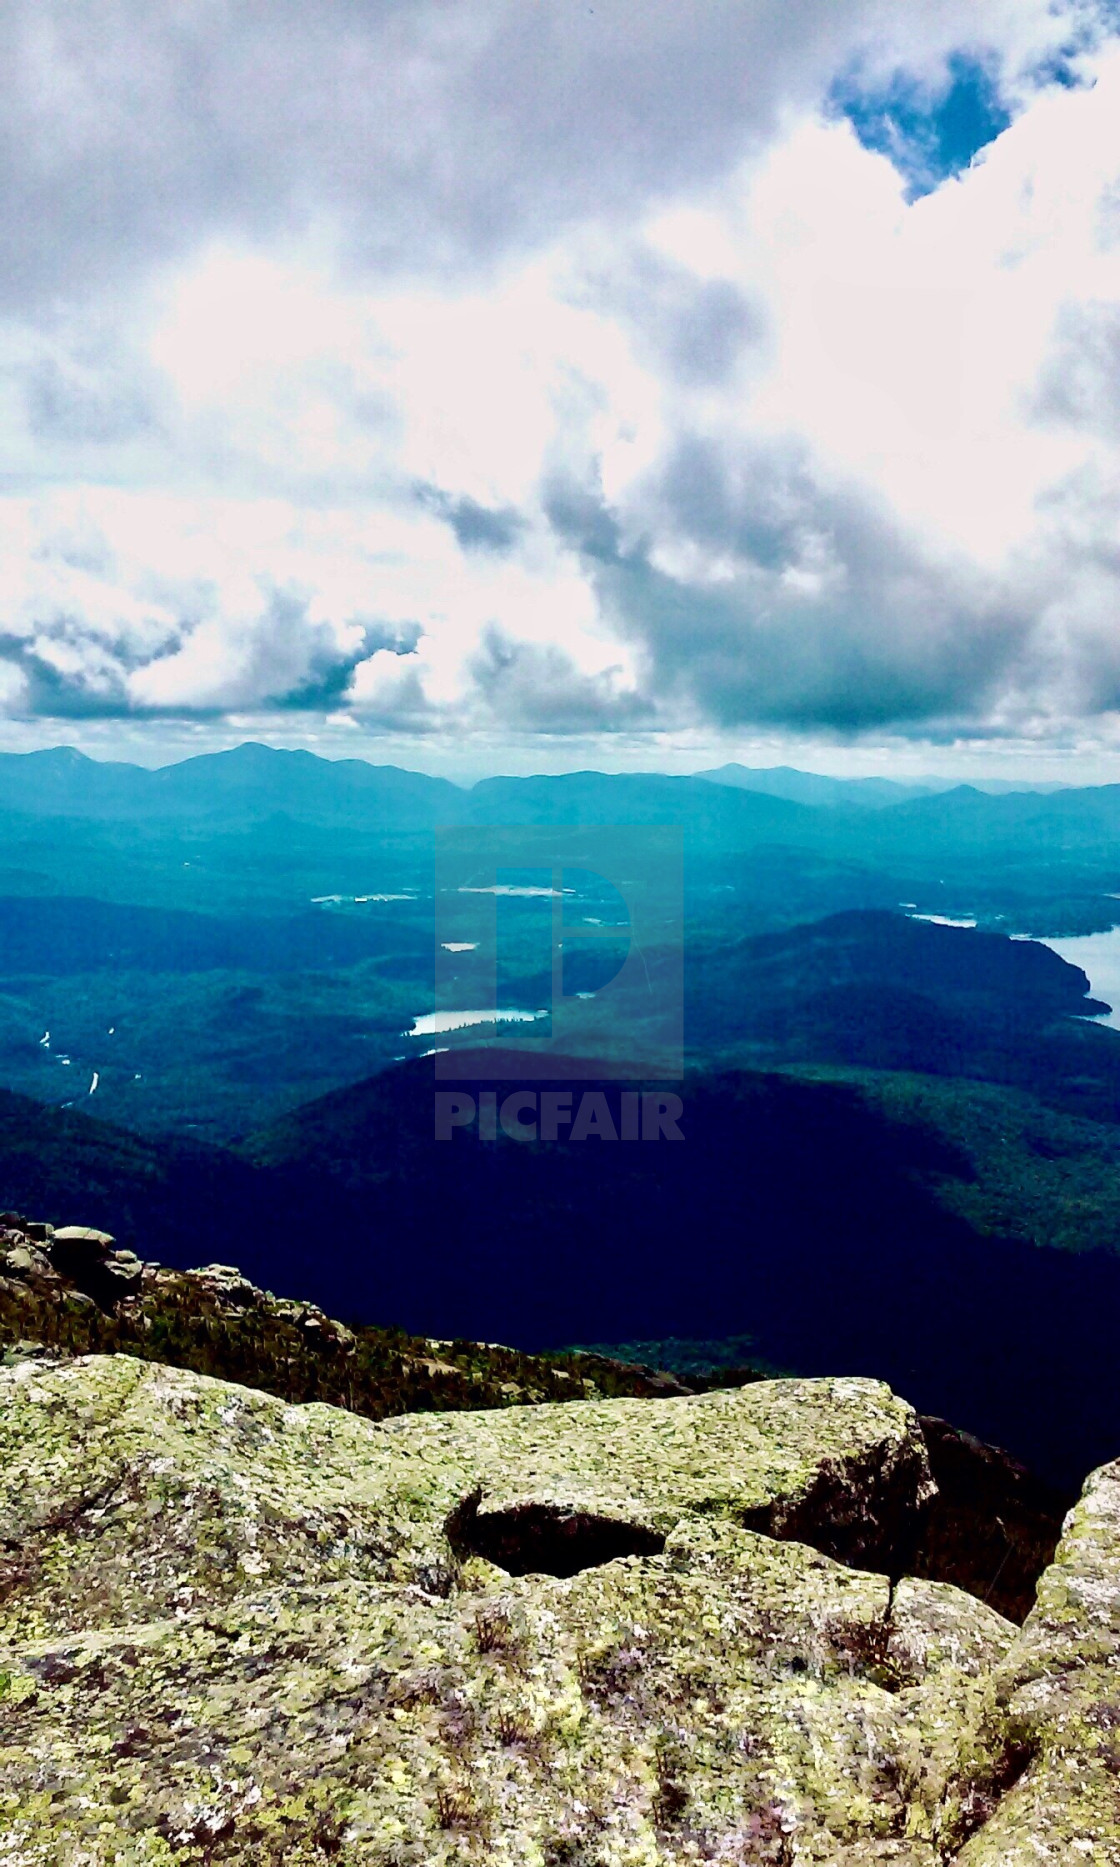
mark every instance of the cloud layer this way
{"type": "Point", "coordinates": [562, 371]}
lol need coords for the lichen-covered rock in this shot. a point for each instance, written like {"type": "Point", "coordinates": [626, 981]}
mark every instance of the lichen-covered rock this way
{"type": "Point", "coordinates": [27, 1261]}
{"type": "Point", "coordinates": [1058, 1704]}
{"type": "Point", "coordinates": [238, 1631]}
{"type": "Point", "coordinates": [82, 1237]}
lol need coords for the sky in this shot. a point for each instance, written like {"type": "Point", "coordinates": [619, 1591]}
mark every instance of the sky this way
{"type": "Point", "coordinates": [489, 385]}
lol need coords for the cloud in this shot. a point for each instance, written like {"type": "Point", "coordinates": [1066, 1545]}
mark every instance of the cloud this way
{"type": "Point", "coordinates": [820, 611]}
{"type": "Point", "coordinates": [66, 402]}
{"type": "Point", "coordinates": [60, 675]}
{"type": "Point", "coordinates": [561, 371]}
{"type": "Point", "coordinates": [692, 330]}
{"type": "Point", "coordinates": [527, 685]}
{"type": "Point", "coordinates": [387, 695]}
{"type": "Point", "coordinates": [1079, 384]}
{"type": "Point", "coordinates": [93, 632]}
{"type": "Point", "coordinates": [477, 527]}
{"type": "Point", "coordinates": [432, 138]}
{"type": "Point", "coordinates": [280, 657]}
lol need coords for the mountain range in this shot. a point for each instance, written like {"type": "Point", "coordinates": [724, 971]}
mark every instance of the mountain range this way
{"type": "Point", "coordinates": [809, 787]}
{"type": "Point", "coordinates": [254, 780]}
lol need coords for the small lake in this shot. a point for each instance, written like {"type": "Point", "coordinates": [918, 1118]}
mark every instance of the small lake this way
{"type": "Point", "coordinates": [354, 901]}
{"type": "Point", "coordinates": [434, 1022]}
{"type": "Point", "coordinates": [521, 894]}
{"type": "Point", "coordinates": [1097, 954]}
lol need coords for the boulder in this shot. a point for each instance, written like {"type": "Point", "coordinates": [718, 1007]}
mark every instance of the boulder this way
{"type": "Point", "coordinates": [228, 1284]}
{"type": "Point", "coordinates": [1057, 1692]}
{"type": "Point", "coordinates": [82, 1237]}
{"type": "Point", "coordinates": [119, 1275]}
{"type": "Point", "coordinates": [87, 1258]}
{"type": "Point", "coordinates": [25, 1261]}
{"type": "Point", "coordinates": [76, 1249]}
{"type": "Point", "coordinates": [235, 1630]}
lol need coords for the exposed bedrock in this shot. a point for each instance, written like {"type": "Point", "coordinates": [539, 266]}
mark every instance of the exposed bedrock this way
{"type": "Point", "coordinates": [235, 1630]}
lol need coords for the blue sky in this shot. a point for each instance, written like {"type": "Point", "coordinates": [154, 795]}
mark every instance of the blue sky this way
{"type": "Point", "coordinates": [929, 132]}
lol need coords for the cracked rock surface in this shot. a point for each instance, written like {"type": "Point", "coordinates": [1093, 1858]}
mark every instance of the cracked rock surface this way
{"type": "Point", "coordinates": [234, 1630]}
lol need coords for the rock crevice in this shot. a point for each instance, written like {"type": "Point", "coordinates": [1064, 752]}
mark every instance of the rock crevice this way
{"type": "Point", "coordinates": [545, 1539]}
{"type": "Point", "coordinates": [622, 1633]}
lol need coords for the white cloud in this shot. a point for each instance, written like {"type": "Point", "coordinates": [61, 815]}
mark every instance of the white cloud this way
{"type": "Point", "coordinates": [620, 391]}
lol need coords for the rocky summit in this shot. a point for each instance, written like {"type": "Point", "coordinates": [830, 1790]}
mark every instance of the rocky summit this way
{"type": "Point", "coordinates": [621, 1633]}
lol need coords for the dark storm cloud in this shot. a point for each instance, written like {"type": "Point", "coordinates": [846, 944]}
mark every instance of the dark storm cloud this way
{"type": "Point", "coordinates": [828, 617]}
{"type": "Point", "coordinates": [580, 516]}
{"type": "Point", "coordinates": [298, 665]}
{"type": "Point", "coordinates": [324, 684]}
{"type": "Point", "coordinates": [759, 502]}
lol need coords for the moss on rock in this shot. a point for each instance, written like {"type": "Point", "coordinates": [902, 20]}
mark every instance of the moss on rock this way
{"type": "Point", "coordinates": [1058, 1703]}
{"type": "Point", "coordinates": [234, 1630]}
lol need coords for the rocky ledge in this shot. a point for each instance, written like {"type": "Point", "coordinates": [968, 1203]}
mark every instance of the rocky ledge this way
{"type": "Point", "coordinates": [69, 1289]}
{"type": "Point", "coordinates": [618, 1634]}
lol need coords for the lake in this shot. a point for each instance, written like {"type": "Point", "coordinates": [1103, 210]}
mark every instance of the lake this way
{"type": "Point", "coordinates": [521, 894]}
{"type": "Point", "coordinates": [434, 1022]}
{"type": "Point", "coordinates": [1099, 955]}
